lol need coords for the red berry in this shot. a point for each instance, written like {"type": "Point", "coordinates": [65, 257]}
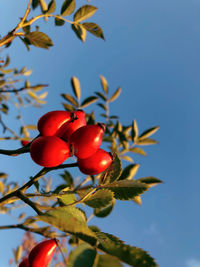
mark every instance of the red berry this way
{"type": "Point", "coordinates": [49, 151]}
{"type": "Point", "coordinates": [24, 263]}
{"type": "Point", "coordinates": [24, 142]}
{"type": "Point", "coordinates": [74, 124]}
{"type": "Point", "coordinates": [42, 253]}
{"type": "Point", "coordinates": [96, 163]}
{"type": "Point", "coordinates": [51, 123]}
{"type": "Point", "coordinates": [86, 140]}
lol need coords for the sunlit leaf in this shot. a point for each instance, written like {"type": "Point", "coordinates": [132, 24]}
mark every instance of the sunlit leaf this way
{"type": "Point", "coordinates": [67, 198]}
{"type": "Point", "coordinates": [68, 107]}
{"type": "Point", "coordinates": [39, 39]}
{"type": "Point", "coordinates": [138, 150]}
{"type": "Point", "coordinates": [150, 181]}
{"type": "Point", "coordinates": [100, 199]}
{"type": "Point", "coordinates": [129, 172]}
{"type": "Point", "coordinates": [102, 96]}
{"type": "Point", "coordinates": [70, 99]}
{"type": "Point", "coordinates": [68, 7]}
{"type": "Point", "coordinates": [51, 7]}
{"type": "Point", "coordinates": [133, 256]}
{"type": "Point", "coordinates": [104, 84]}
{"type": "Point", "coordinates": [148, 132]}
{"type": "Point", "coordinates": [84, 13]}
{"type": "Point", "coordinates": [146, 142]}
{"type": "Point", "coordinates": [127, 158]}
{"type": "Point", "coordinates": [88, 101]}
{"type": "Point", "coordinates": [103, 212]}
{"type": "Point", "coordinates": [107, 260]}
{"type": "Point", "coordinates": [126, 189]}
{"type": "Point", "coordinates": [80, 31]}
{"type": "Point", "coordinates": [134, 131]}
{"type": "Point", "coordinates": [115, 95]}
{"type": "Point", "coordinates": [94, 29]}
{"type": "Point", "coordinates": [138, 200]}
{"type": "Point", "coordinates": [59, 22]}
{"type": "Point", "coordinates": [76, 87]}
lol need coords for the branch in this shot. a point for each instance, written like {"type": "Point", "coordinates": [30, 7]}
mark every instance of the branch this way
{"type": "Point", "coordinates": [34, 179]}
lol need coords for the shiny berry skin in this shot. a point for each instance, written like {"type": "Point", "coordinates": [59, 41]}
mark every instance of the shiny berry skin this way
{"type": "Point", "coordinates": [51, 123]}
{"type": "Point", "coordinates": [42, 253]}
{"type": "Point", "coordinates": [49, 151]}
{"type": "Point", "coordinates": [24, 142]}
{"type": "Point", "coordinates": [24, 263]}
{"type": "Point", "coordinates": [86, 140]}
{"type": "Point", "coordinates": [96, 163]}
{"type": "Point", "coordinates": [74, 124]}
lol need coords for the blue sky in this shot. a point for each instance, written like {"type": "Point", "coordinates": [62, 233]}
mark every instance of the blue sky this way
{"type": "Point", "coordinates": [152, 52]}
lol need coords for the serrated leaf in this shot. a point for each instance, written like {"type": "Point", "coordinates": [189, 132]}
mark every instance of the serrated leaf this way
{"type": "Point", "coordinates": [67, 198]}
{"type": "Point", "coordinates": [68, 7]}
{"type": "Point", "coordinates": [133, 256]}
{"type": "Point", "coordinates": [112, 173]}
{"type": "Point", "coordinates": [39, 39]}
{"type": "Point", "coordinates": [107, 260]}
{"type": "Point", "coordinates": [101, 96]}
{"type": "Point", "coordinates": [59, 22]}
{"type": "Point", "coordinates": [76, 87]}
{"type": "Point", "coordinates": [83, 255]}
{"type": "Point", "coordinates": [70, 99]}
{"type": "Point", "coordinates": [148, 132]}
{"type": "Point", "coordinates": [115, 95]}
{"type": "Point", "coordinates": [100, 199]}
{"type": "Point", "coordinates": [88, 101]}
{"type": "Point", "coordinates": [68, 107]}
{"type": "Point", "coordinates": [150, 181]}
{"type": "Point", "coordinates": [80, 31]}
{"type": "Point", "coordinates": [94, 29]}
{"type": "Point", "coordinates": [51, 7]}
{"type": "Point", "coordinates": [146, 142]}
{"type": "Point", "coordinates": [104, 84]}
{"type": "Point", "coordinates": [70, 220]}
{"type": "Point", "coordinates": [129, 172]}
{"type": "Point", "coordinates": [134, 131]}
{"type": "Point", "coordinates": [84, 13]}
{"type": "Point", "coordinates": [103, 212]}
{"type": "Point", "coordinates": [126, 189]}
{"type": "Point", "coordinates": [138, 150]}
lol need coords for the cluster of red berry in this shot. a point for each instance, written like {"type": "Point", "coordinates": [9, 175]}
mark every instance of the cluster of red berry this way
{"type": "Point", "coordinates": [64, 134]}
{"type": "Point", "coordinates": [40, 255]}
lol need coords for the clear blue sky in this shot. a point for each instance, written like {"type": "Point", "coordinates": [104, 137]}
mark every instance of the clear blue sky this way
{"type": "Point", "coordinates": [152, 52]}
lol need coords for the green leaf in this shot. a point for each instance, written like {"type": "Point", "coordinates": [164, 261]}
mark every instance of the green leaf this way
{"type": "Point", "coordinates": [126, 189]}
{"type": "Point", "coordinates": [76, 87]}
{"type": "Point", "coordinates": [80, 31]}
{"type": "Point", "coordinates": [82, 256]}
{"type": "Point", "coordinates": [103, 212]}
{"type": "Point", "coordinates": [68, 7]}
{"type": "Point", "coordinates": [129, 172]}
{"type": "Point", "coordinates": [51, 7]}
{"type": "Point", "coordinates": [133, 256]}
{"type": "Point", "coordinates": [88, 101]}
{"type": "Point", "coordinates": [101, 96]}
{"type": "Point", "coordinates": [59, 22]}
{"type": "Point", "coordinates": [35, 3]}
{"type": "Point", "coordinates": [70, 220]}
{"type": "Point", "coordinates": [67, 198]}
{"type": "Point", "coordinates": [115, 95]}
{"type": "Point", "coordinates": [84, 13]}
{"type": "Point", "coordinates": [134, 131]}
{"type": "Point", "coordinates": [24, 41]}
{"type": "Point", "coordinates": [146, 142]}
{"type": "Point", "coordinates": [104, 84]}
{"type": "Point", "coordinates": [100, 199]}
{"type": "Point", "coordinates": [107, 260]}
{"type": "Point", "coordinates": [138, 150]}
{"type": "Point", "coordinates": [148, 132]}
{"type": "Point", "coordinates": [94, 29]}
{"type": "Point", "coordinates": [67, 177]}
{"type": "Point", "coordinates": [39, 39]}
{"type": "Point", "coordinates": [112, 173]}
{"type": "Point", "coordinates": [127, 158]}
{"type": "Point", "coordinates": [70, 99]}
{"type": "Point", "coordinates": [150, 181]}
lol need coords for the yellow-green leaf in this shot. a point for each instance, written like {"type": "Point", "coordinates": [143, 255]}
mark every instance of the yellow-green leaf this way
{"type": "Point", "coordinates": [115, 95]}
{"type": "Point", "coordinates": [129, 172]}
{"type": "Point", "coordinates": [88, 101]}
{"type": "Point", "coordinates": [39, 39]}
{"type": "Point", "coordinates": [148, 132]}
{"type": "Point", "coordinates": [84, 12]}
{"type": "Point", "coordinates": [94, 29]}
{"type": "Point", "coordinates": [80, 31]}
{"type": "Point", "coordinates": [68, 7]}
{"type": "Point", "coordinates": [134, 131]}
{"type": "Point", "coordinates": [76, 87]}
{"type": "Point", "coordinates": [146, 142]}
{"type": "Point", "coordinates": [70, 99]}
